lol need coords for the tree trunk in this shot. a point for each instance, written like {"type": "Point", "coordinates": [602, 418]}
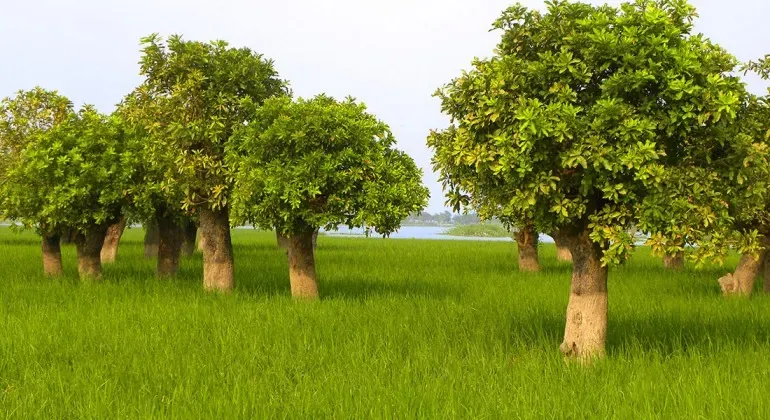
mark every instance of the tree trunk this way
{"type": "Point", "coordinates": [188, 244]}
{"type": "Point", "coordinates": [52, 266]}
{"type": "Point", "coordinates": [171, 236]}
{"type": "Point", "coordinates": [526, 241]}
{"type": "Point", "coordinates": [302, 273]}
{"type": "Point", "coordinates": [315, 239]}
{"type": "Point", "coordinates": [89, 248]}
{"type": "Point", "coordinates": [562, 252]}
{"type": "Point", "coordinates": [741, 282]}
{"type": "Point", "coordinates": [586, 328]}
{"type": "Point", "coordinates": [151, 239]}
{"type": "Point", "coordinates": [201, 241]}
{"type": "Point", "coordinates": [112, 241]}
{"type": "Point", "coordinates": [674, 261]}
{"type": "Point", "coordinates": [218, 269]}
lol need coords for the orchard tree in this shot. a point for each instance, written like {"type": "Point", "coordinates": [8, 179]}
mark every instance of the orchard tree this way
{"type": "Point", "coordinates": [72, 175]}
{"type": "Point", "coordinates": [153, 199]}
{"type": "Point", "coordinates": [190, 104]}
{"type": "Point", "coordinates": [319, 163]}
{"type": "Point", "coordinates": [570, 123]}
{"type": "Point", "coordinates": [24, 119]}
{"type": "Point", "coordinates": [751, 219]}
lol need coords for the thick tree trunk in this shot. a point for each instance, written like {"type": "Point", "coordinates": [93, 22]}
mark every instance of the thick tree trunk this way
{"type": "Point", "coordinates": [674, 261]}
{"type": "Point", "coordinates": [586, 328]}
{"type": "Point", "coordinates": [52, 265]}
{"type": "Point", "coordinates": [526, 241]}
{"type": "Point", "coordinates": [218, 267]}
{"type": "Point", "coordinates": [151, 238]}
{"type": "Point", "coordinates": [188, 244]}
{"type": "Point", "coordinates": [112, 241]}
{"type": "Point", "coordinates": [741, 282]}
{"type": "Point", "coordinates": [315, 239]}
{"type": "Point", "coordinates": [562, 252]}
{"type": "Point", "coordinates": [302, 273]}
{"type": "Point", "coordinates": [171, 236]}
{"type": "Point", "coordinates": [89, 248]}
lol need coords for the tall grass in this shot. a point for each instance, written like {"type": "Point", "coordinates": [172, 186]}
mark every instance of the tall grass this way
{"type": "Point", "coordinates": [405, 328]}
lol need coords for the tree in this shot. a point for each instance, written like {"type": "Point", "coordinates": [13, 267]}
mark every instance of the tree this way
{"type": "Point", "coordinates": [751, 218]}
{"type": "Point", "coordinates": [152, 199]}
{"type": "Point", "coordinates": [72, 175]}
{"type": "Point", "coordinates": [23, 120]}
{"type": "Point", "coordinates": [319, 163]}
{"type": "Point", "coordinates": [190, 104]}
{"type": "Point", "coordinates": [527, 240]}
{"type": "Point", "coordinates": [569, 126]}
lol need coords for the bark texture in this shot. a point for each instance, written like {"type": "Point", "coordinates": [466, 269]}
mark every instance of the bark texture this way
{"type": "Point", "coordinates": [674, 261]}
{"type": "Point", "coordinates": [151, 239]}
{"type": "Point", "coordinates": [201, 241]}
{"type": "Point", "coordinates": [526, 241]}
{"type": "Point", "coordinates": [562, 252]}
{"type": "Point", "coordinates": [741, 282]}
{"type": "Point", "coordinates": [188, 242]}
{"type": "Point", "coordinates": [218, 267]}
{"type": "Point", "coordinates": [302, 273]}
{"type": "Point", "coordinates": [89, 248]}
{"type": "Point", "coordinates": [586, 328]}
{"type": "Point", "coordinates": [171, 236]}
{"type": "Point", "coordinates": [52, 265]}
{"type": "Point", "coordinates": [112, 241]}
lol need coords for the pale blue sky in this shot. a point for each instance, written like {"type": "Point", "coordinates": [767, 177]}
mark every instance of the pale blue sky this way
{"type": "Point", "coordinates": [391, 54]}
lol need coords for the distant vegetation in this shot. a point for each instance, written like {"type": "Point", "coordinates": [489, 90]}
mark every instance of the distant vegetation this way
{"type": "Point", "coordinates": [443, 219]}
{"type": "Point", "coordinates": [480, 230]}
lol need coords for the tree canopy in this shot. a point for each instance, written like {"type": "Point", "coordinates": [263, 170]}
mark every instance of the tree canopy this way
{"type": "Point", "coordinates": [190, 104]}
{"type": "Point", "coordinates": [321, 163]}
{"type": "Point", "coordinates": [71, 175]}
{"type": "Point", "coordinates": [582, 112]}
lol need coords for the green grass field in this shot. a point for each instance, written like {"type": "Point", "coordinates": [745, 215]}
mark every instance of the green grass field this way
{"type": "Point", "coordinates": [405, 328]}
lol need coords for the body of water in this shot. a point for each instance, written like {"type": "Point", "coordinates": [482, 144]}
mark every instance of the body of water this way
{"type": "Point", "coordinates": [422, 232]}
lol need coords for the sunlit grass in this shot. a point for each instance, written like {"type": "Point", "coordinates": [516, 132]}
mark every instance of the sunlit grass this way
{"type": "Point", "coordinates": [405, 328]}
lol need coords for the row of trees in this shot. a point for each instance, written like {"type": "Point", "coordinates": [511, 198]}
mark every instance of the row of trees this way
{"type": "Point", "coordinates": [443, 218]}
{"type": "Point", "coordinates": [211, 137]}
{"type": "Point", "coordinates": [590, 122]}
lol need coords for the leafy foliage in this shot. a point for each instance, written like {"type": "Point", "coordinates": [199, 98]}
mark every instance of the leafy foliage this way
{"type": "Point", "coordinates": [584, 113]}
{"type": "Point", "coordinates": [190, 104]}
{"type": "Point", "coordinates": [69, 175]}
{"type": "Point", "coordinates": [26, 116]}
{"type": "Point", "coordinates": [321, 163]}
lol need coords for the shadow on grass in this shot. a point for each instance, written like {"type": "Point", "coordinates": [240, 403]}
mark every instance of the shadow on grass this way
{"type": "Point", "coordinates": [664, 334]}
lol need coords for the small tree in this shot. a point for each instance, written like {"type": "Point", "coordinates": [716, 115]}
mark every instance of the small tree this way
{"type": "Point", "coordinates": [190, 105]}
{"type": "Point", "coordinates": [570, 123]}
{"type": "Point", "coordinates": [319, 163]}
{"type": "Point", "coordinates": [72, 175]}
{"type": "Point", "coordinates": [24, 119]}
